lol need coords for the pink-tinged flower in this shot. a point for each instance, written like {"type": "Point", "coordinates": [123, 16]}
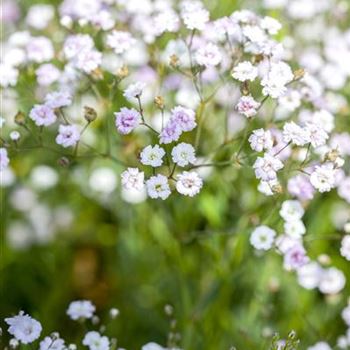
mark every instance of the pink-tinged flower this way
{"type": "Point", "coordinates": [317, 135]}
{"type": "Point", "coordinates": [294, 133]}
{"type": "Point", "coordinates": [260, 140]}
{"type": "Point", "coordinates": [40, 49]}
{"type": "Point", "coordinates": [120, 41]}
{"type": "Point", "coordinates": [42, 115]}
{"type": "Point", "coordinates": [4, 159]}
{"type": "Point", "coordinates": [245, 71]}
{"type": "Point", "coordinates": [300, 187]}
{"type": "Point", "coordinates": [133, 178]}
{"type": "Point", "coordinates": [75, 44]}
{"type": "Point", "coordinates": [185, 118]}
{"type": "Point", "coordinates": [58, 99]}
{"type": "Point", "coordinates": [68, 135]}
{"type": "Point", "coordinates": [88, 61]}
{"type": "Point", "coordinates": [194, 15]}
{"type": "Point", "coordinates": [158, 187]}
{"type": "Point", "coordinates": [295, 257]}
{"type": "Point", "coordinates": [189, 183]}
{"type": "Point", "coordinates": [323, 177]}
{"type": "Point", "coordinates": [208, 55]}
{"type": "Point", "coordinates": [266, 167]}
{"type": "Point", "coordinates": [247, 106]}
{"type": "Point", "coordinates": [127, 120]}
{"type": "Point", "coordinates": [47, 74]}
{"type": "Point", "coordinates": [170, 133]}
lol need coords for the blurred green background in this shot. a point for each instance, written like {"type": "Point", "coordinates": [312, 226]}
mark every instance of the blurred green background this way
{"type": "Point", "coordinates": [193, 254]}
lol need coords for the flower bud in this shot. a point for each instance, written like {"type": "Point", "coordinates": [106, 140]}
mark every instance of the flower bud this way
{"type": "Point", "coordinates": [113, 313]}
{"type": "Point", "coordinates": [122, 72]}
{"type": "Point", "coordinates": [174, 61]}
{"type": "Point", "coordinates": [159, 102]}
{"type": "Point", "coordinates": [89, 114]}
{"type": "Point", "coordinates": [20, 118]}
{"type": "Point", "coordinates": [97, 74]}
{"type": "Point", "coordinates": [14, 343]}
{"type": "Point", "coordinates": [299, 73]}
{"type": "Point", "coordinates": [64, 162]}
{"type": "Point", "coordinates": [332, 155]}
{"type": "Point", "coordinates": [15, 135]}
{"type": "Point", "coordinates": [168, 310]}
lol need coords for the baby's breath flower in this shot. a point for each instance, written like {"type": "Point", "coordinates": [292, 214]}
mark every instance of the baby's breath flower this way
{"type": "Point", "coordinates": [158, 187]}
{"type": "Point", "coordinates": [152, 156]}
{"type": "Point", "coordinates": [183, 154]}
{"type": "Point", "coordinates": [189, 183]}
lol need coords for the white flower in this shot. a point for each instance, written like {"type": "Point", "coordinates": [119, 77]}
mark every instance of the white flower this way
{"type": "Point", "coordinates": [152, 346]}
{"type": "Point", "coordinates": [4, 159]}
{"type": "Point", "coordinates": [261, 140]}
{"type": "Point", "coordinates": [247, 106]}
{"type": "Point", "coordinates": [344, 189]}
{"type": "Point", "coordinates": [346, 315]}
{"type": "Point", "coordinates": [58, 99]}
{"type": "Point", "coordinates": [189, 183]}
{"type": "Point", "coordinates": [194, 15]}
{"type": "Point", "coordinates": [316, 134]}
{"type": "Point", "coordinates": [320, 346]}
{"type": "Point", "coordinates": [291, 210]}
{"type": "Point", "coordinates": [47, 74]}
{"type": "Point", "coordinates": [309, 275]}
{"type": "Point", "coordinates": [262, 238]}
{"type": "Point", "coordinates": [158, 187]}
{"type": "Point", "coordinates": [208, 55]}
{"type": "Point", "coordinates": [88, 60]}
{"type": "Point", "coordinates": [134, 90]}
{"type": "Point", "coordinates": [103, 180]}
{"type": "Point", "coordinates": [324, 119]}
{"type": "Point", "coordinates": [152, 156]}
{"type": "Point", "coordinates": [42, 115]}
{"type": "Point", "coordinates": [345, 247]}
{"type": "Point", "coordinates": [183, 154]}
{"type": "Point", "coordinates": [75, 44]}
{"type": "Point", "coordinates": [81, 309]}
{"type": "Point", "coordinates": [295, 134]}
{"type": "Point", "coordinates": [8, 75]}
{"type": "Point", "coordinates": [49, 343]}
{"type": "Point", "coordinates": [284, 243]}
{"type": "Point", "coordinates": [245, 71]}
{"type": "Point", "coordinates": [271, 25]}
{"type": "Point", "coordinates": [323, 177]}
{"type": "Point", "coordinates": [295, 228]}
{"type": "Point", "coordinates": [120, 41]}
{"type": "Point", "coordinates": [95, 341]}
{"type": "Point", "coordinates": [133, 178]}
{"type": "Point", "coordinates": [40, 15]}
{"type": "Point", "coordinates": [166, 21]}
{"type": "Point", "coordinates": [255, 34]}
{"type": "Point", "coordinates": [332, 281]}
{"type": "Point", "coordinates": [266, 167]}
{"type": "Point", "coordinates": [15, 135]}
{"type": "Point", "coordinates": [68, 135]}
{"type": "Point", "coordinates": [40, 49]}
{"type": "Point", "coordinates": [275, 80]}
{"type": "Point", "coordinates": [24, 328]}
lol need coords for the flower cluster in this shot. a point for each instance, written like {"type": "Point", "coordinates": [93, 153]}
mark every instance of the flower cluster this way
{"type": "Point", "coordinates": [27, 330]}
